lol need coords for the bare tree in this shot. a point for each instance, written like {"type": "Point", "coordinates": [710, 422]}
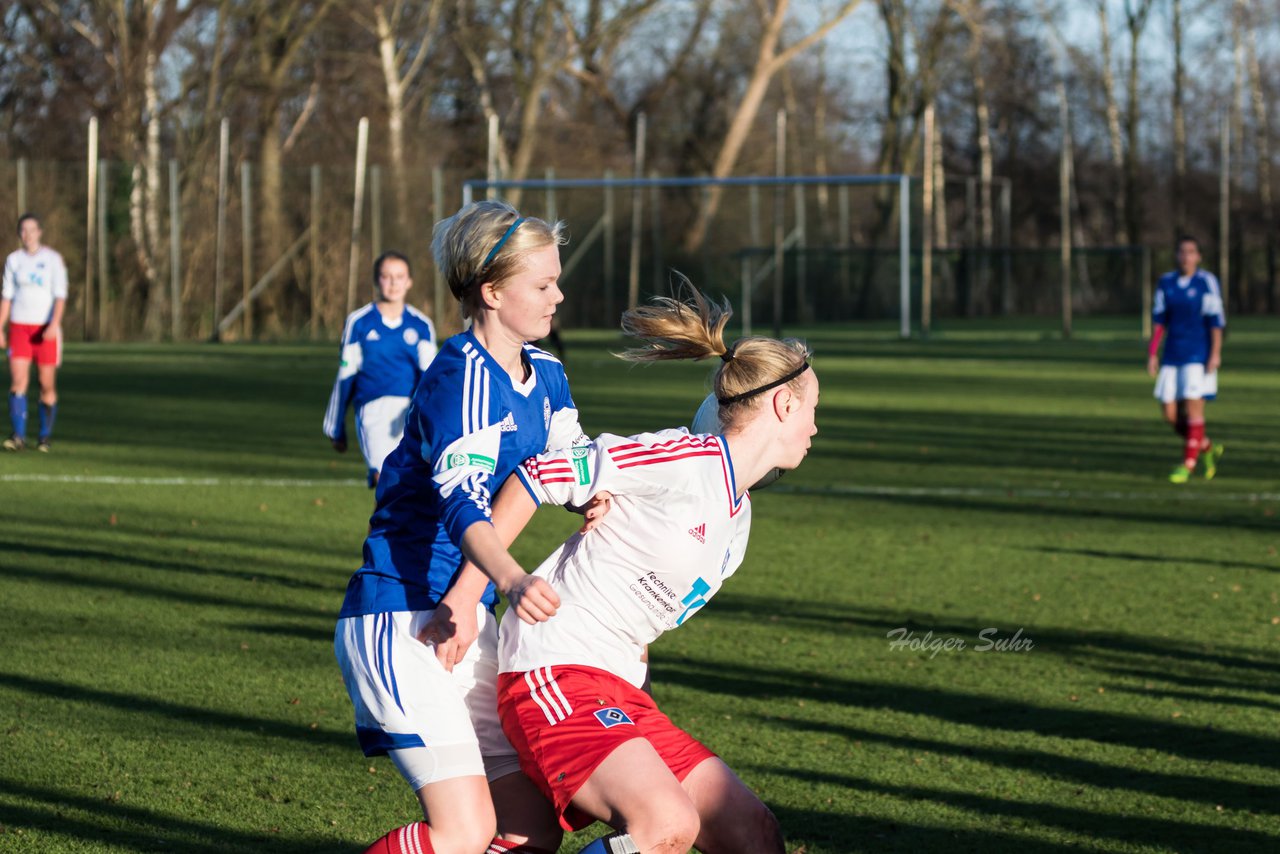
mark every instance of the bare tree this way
{"type": "Point", "coordinates": [275, 34]}
{"type": "Point", "coordinates": [1136, 14]}
{"type": "Point", "coordinates": [769, 60]}
{"type": "Point", "coordinates": [1179, 125]}
{"type": "Point", "coordinates": [1262, 141]}
{"type": "Point", "coordinates": [405, 32]}
{"type": "Point", "coordinates": [1112, 110]}
{"type": "Point", "coordinates": [131, 37]}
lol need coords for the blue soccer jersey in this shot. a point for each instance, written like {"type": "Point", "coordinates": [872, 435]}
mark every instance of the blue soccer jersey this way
{"type": "Point", "coordinates": [468, 427]}
{"type": "Point", "coordinates": [379, 359]}
{"type": "Point", "coordinates": [1188, 308]}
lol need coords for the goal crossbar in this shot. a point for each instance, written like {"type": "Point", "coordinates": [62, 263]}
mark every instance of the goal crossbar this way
{"type": "Point", "coordinates": [903, 182]}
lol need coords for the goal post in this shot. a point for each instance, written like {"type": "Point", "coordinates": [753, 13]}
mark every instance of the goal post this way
{"type": "Point", "coordinates": [605, 227]}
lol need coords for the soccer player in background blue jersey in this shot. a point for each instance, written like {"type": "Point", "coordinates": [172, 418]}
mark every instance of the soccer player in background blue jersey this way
{"type": "Point", "coordinates": [1188, 313]}
{"type": "Point", "coordinates": [386, 347]}
{"type": "Point", "coordinates": [489, 401]}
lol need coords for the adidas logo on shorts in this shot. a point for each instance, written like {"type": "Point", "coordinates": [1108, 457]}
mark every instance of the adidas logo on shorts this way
{"type": "Point", "coordinates": [699, 533]}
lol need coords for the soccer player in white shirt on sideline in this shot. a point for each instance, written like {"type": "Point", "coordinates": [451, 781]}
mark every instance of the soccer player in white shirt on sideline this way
{"type": "Point", "coordinates": [33, 299]}
{"type": "Point", "coordinates": [423, 693]}
{"type": "Point", "coordinates": [572, 692]}
{"type": "Point", "coordinates": [386, 347]}
{"type": "Point", "coordinates": [1187, 312]}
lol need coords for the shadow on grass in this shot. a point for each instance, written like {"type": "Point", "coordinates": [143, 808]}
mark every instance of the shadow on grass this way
{"type": "Point", "coordinates": [1200, 789]}
{"type": "Point", "coordinates": [848, 834]}
{"type": "Point", "coordinates": [1099, 826]}
{"type": "Point", "coordinates": [138, 829]}
{"type": "Point", "coordinates": [62, 555]}
{"type": "Point", "coordinates": [1155, 558]}
{"type": "Point", "coordinates": [192, 715]}
{"type": "Point", "coordinates": [977, 710]}
{"type": "Point", "coordinates": [1262, 667]}
{"type": "Point", "coordinates": [75, 579]}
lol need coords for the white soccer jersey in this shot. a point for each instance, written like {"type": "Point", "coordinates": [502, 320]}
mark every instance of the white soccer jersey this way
{"type": "Point", "coordinates": [33, 282]}
{"type": "Point", "coordinates": [675, 532]}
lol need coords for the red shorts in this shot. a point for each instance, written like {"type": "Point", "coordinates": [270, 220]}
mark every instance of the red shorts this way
{"type": "Point", "coordinates": [565, 720]}
{"type": "Point", "coordinates": [28, 341]}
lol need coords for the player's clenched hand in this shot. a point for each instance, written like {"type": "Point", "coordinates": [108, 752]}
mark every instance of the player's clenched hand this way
{"type": "Point", "coordinates": [532, 599]}
{"type": "Point", "coordinates": [1215, 362]}
{"type": "Point", "coordinates": [1153, 366]}
{"type": "Point", "coordinates": [339, 445]}
{"type": "Point", "coordinates": [599, 505]}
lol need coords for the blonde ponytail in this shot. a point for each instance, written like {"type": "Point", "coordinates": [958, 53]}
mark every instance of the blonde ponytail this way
{"type": "Point", "coordinates": [689, 326]}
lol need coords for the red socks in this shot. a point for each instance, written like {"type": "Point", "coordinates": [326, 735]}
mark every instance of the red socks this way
{"type": "Point", "coordinates": [1195, 438]}
{"type": "Point", "coordinates": [410, 839]}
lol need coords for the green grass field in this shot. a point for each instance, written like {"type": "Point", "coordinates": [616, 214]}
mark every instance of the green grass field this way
{"type": "Point", "coordinates": [170, 574]}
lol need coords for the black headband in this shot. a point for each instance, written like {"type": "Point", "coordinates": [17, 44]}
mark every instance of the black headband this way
{"type": "Point", "coordinates": [725, 401]}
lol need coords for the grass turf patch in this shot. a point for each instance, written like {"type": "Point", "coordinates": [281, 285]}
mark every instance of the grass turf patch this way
{"type": "Point", "coordinates": [171, 574]}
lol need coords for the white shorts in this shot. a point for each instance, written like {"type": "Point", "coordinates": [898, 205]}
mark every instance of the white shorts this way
{"type": "Point", "coordinates": [380, 424]}
{"type": "Point", "coordinates": [1185, 382]}
{"type": "Point", "coordinates": [435, 725]}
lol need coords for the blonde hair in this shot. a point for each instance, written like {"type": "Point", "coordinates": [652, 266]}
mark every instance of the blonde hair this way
{"type": "Point", "coordinates": [689, 326]}
{"type": "Point", "coordinates": [462, 244]}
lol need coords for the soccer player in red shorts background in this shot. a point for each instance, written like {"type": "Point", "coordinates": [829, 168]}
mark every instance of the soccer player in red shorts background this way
{"type": "Point", "coordinates": [31, 305]}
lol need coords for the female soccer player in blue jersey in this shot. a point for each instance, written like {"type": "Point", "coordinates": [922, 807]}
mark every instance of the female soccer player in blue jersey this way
{"type": "Point", "coordinates": [489, 401]}
{"type": "Point", "coordinates": [1187, 312]}
{"type": "Point", "coordinates": [386, 347]}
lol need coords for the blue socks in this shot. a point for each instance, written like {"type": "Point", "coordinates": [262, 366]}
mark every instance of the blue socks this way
{"type": "Point", "coordinates": [48, 412]}
{"type": "Point", "coordinates": [18, 414]}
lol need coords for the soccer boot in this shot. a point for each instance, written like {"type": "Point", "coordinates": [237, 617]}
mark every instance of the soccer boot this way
{"type": "Point", "coordinates": [15, 443]}
{"type": "Point", "coordinates": [1181, 474]}
{"type": "Point", "coordinates": [43, 445]}
{"type": "Point", "coordinates": [1210, 459]}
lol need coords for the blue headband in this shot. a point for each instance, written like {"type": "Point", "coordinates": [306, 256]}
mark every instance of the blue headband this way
{"type": "Point", "coordinates": [493, 253]}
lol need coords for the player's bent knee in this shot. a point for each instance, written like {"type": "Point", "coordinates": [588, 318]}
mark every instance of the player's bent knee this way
{"type": "Point", "coordinates": [672, 828]}
{"type": "Point", "coordinates": [455, 839]}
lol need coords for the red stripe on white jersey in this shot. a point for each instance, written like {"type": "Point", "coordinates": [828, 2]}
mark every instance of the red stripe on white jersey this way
{"type": "Point", "coordinates": [649, 461]}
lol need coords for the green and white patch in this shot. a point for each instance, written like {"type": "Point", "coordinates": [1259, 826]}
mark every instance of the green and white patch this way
{"type": "Point", "coordinates": [480, 461]}
{"type": "Point", "coordinates": [581, 469]}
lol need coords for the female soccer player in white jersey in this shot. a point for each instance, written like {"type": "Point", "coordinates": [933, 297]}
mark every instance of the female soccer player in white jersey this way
{"type": "Point", "coordinates": [570, 690]}
{"type": "Point", "coordinates": [386, 347]}
{"type": "Point", "coordinates": [31, 304]}
{"type": "Point", "coordinates": [488, 401]}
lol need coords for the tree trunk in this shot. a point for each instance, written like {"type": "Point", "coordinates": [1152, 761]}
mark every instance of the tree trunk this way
{"type": "Point", "coordinates": [1262, 144]}
{"type": "Point", "coordinates": [157, 294]}
{"type": "Point", "coordinates": [395, 123]}
{"type": "Point", "coordinates": [272, 241]}
{"type": "Point", "coordinates": [1132, 192]}
{"type": "Point", "coordinates": [1179, 126]}
{"type": "Point", "coordinates": [1119, 215]}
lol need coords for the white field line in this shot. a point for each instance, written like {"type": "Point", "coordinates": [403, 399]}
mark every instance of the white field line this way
{"type": "Point", "coordinates": [1172, 494]}
{"type": "Point", "coordinates": [123, 480]}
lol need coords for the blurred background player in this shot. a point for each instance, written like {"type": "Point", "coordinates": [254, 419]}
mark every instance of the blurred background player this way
{"type": "Point", "coordinates": [386, 348]}
{"type": "Point", "coordinates": [488, 402]}
{"type": "Point", "coordinates": [33, 299]}
{"type": "Point", "coordinates": [1188, 314]}
{"type": "Point", "coordinates": [572, 691]}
